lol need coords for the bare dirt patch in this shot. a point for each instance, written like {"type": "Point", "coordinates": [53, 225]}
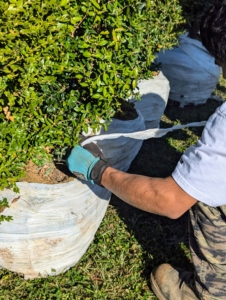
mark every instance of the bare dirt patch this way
{"type": "Point", "coordinates": [49, 173]}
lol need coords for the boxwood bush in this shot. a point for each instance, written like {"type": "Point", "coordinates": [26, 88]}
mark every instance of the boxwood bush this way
{"type": "Point", "coordinates": [65, 64]}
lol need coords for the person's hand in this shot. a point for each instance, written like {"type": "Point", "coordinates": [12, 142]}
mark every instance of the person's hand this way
{"type": "Point", "coordinates": [87, 163]}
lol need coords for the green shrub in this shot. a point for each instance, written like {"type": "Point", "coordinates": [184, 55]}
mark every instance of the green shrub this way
{"type": "Point", "coordinates": [66, 64]}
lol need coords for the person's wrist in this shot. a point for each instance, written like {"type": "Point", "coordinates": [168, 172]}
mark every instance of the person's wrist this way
{"type": "Point", "coordinates": [105, 176]}
{"type": "Point", "coordinates": [98, 170]}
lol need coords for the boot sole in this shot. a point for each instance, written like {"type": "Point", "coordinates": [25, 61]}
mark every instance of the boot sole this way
{"type": "Point", "coordinates": [156, 289]}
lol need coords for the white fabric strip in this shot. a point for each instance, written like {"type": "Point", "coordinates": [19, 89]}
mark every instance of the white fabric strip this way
{"type": "Point", "coordinates": [142, 135]}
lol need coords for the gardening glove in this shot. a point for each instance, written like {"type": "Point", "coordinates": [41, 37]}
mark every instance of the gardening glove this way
{"type": "Point", "coordinates": [87, 163]}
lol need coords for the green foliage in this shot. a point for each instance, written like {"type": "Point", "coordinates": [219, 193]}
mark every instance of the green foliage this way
{"type": "Point", "coordinates": [3, 204]}
{"type": "Point", "coordinates": [65, 64]}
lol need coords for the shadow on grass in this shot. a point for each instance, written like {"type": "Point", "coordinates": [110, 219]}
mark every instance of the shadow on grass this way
{"type": "Point", "coordinates": [162, 239]}
{"type": "Point", "coordinates": [191, 113]}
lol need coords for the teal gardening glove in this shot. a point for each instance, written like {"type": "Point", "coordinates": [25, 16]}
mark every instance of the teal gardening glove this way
{"type": "Point", "coordinates": [87, 163]}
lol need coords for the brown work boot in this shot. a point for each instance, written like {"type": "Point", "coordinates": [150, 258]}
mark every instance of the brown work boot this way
{"type": "Point", "coordinates": [170, 283]}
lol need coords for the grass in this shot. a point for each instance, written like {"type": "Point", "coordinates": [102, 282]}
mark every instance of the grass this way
{"type": "Point", "coordinates": [129, 242]}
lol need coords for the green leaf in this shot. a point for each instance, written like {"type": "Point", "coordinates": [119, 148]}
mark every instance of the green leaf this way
{"type": "Point", "coordinates": [75, 20]}
{"type": "Point", "coordinates": [63, 2]}
{"type": "Point", "coordinates": [119, 29]}
{"type": "Point", "coordinates": [103, 43]}
{"type": "Point", "coordinates": [87, 54]}
{"type": "Point", "coordinates": [84, 84]}
{"type": "Point", "coordinates": [79, 76]}
{"type": "Point", "coordinates": [96, 96]}
{"type": "Point", "coordinates": [95, 4]}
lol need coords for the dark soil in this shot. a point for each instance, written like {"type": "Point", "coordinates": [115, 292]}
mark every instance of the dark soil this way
{"type": "Point", "coordinates": [126, 112]}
